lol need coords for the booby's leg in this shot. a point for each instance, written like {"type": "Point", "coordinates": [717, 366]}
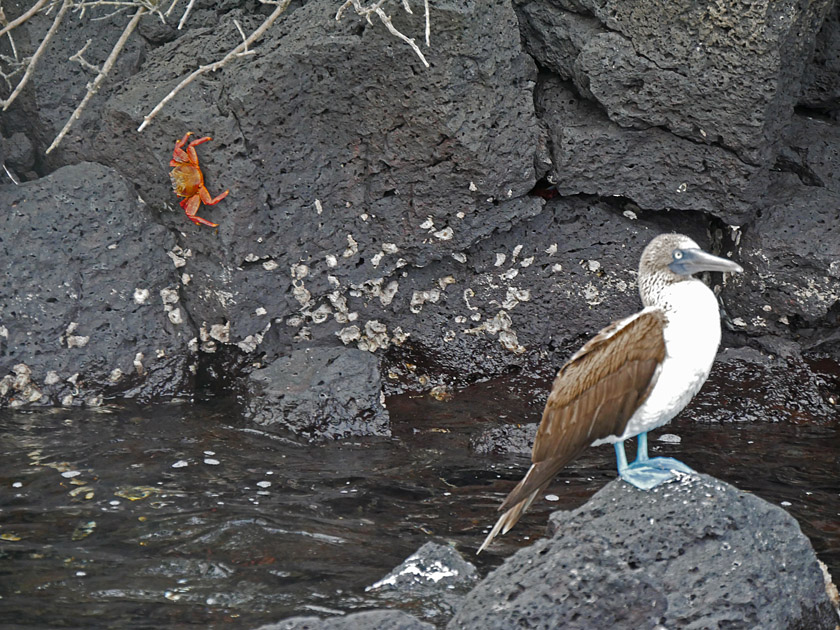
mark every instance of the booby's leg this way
{"type": "Point", "coordinates": [641, 448]}
{"type": "Point", "coordinates": [620, 457]}
{"type": "Point", "coordinates": [646, 473]}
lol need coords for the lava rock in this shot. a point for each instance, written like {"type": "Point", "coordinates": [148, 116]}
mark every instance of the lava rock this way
{"type": "Point", "coordinates": [431, 582]}
{"type": "Point", "coordinates": [90, 296]}
{"type": "Point", "coordinates": [821, 79]}
{"type": "Point", "coordinates": [339, 182]}
{"type": "Point", "coordinates": [320, 393]}
{"type": "Point", "coordinates": [744, 385]}
{"type": "Point", "coordinates": [695, 553]}
{"type": "Point", "coordinates": [505, 439]}
{"type": "Point", "coordinates": [678, 66]}
{"type": "Point", "coordinates": [368, 620]}
{"type": "Point", "coordinates": [656, 169]}
{"type": "Point", "coordinates": [791, 284]}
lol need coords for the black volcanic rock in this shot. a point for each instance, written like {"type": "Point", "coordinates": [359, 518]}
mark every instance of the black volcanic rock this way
{"type": "Point", "coordinates": [695, 553]}
{"type": "Point", "coordinates": [90, 297]}
{"type": "Point", "coordinates": [319, 393]}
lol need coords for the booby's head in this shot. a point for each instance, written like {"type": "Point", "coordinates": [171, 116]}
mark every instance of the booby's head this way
{"type": "Point", "coordinates": [672, 258]}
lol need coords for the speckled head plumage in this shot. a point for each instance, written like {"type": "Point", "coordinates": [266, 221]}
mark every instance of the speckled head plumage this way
{"type": "Point", "coordinates": [672, 258]}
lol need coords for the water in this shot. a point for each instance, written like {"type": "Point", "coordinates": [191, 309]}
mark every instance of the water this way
{"type": "Point", "coordinates": [180, 516]}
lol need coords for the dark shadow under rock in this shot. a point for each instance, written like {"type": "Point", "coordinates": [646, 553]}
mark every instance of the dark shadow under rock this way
{"type": "Point", "coordinates": [695, 553]}
{"type": "Point", "coordinates": [320, 393]}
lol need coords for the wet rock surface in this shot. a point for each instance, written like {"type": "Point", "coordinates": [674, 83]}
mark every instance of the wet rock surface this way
{"type": "Point", "coordinates": [432, 581]}
{"type": "Point", "coordinates": [319, 393]}
{"type": "Point", "coordinates": [694, 553]}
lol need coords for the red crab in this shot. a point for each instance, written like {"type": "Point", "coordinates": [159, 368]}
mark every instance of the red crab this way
{"type": "Point", "coordinates": [188, 180]}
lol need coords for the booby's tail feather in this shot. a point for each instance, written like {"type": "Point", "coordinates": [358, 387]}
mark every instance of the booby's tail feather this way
{"type": "Point", "coordinates": [508, 519]}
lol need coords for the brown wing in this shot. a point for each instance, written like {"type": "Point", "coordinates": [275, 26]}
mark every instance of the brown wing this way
{"type": "Point", "coordinates": [594, 395]}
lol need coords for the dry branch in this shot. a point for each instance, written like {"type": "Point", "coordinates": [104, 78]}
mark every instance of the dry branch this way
{"type": "Point", "coordinates": [33, 62]}
{"type": "Point", "coordinates": [93, 88]}
{"type": "Point", "coordinates": [18, 21]}
{"type": "Point", "coordinates": [236, 52]}
{"type": "Point", "coordinates": [376, 8]}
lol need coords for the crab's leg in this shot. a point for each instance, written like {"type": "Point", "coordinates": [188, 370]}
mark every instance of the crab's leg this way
{"type": "Point", "coordinates": [191, 207]}
{"type": "Point", "coordinates": [197, 219]}
{"type": "Point", "coordinates": [207, 199]}
{"type": "Point", "coordinates": [179, 156]}
{"type": "Point", "coordinates": [191, 148]}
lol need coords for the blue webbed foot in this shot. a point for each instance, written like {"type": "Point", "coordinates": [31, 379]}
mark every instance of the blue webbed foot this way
{"type": "Point", "coordinates": [650, 473]}
{"type": "Point", "coordinates": [646, 473]}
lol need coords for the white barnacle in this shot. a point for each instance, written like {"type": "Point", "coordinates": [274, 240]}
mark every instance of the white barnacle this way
{"type": "Point", "coordinates": [459, 256]}
{"type": "Point", "coordinates": [352, 247]}
{"type": "Point", "coordinates": [390, 248]}
{"type": "Point", "coordinates": [388, 293]}
{"type": "Point", "coordinates": [138, 363]}
{"type": "Point", "coordinates": [428, 224]}
{"type": "Point", "coordinates": [220, 332]}
{"type": "Point", "coordinates": [299, 271]}
{"type": "Point", "coordinates": [445, 234]}
{"type": "Point", "coordinates": [445, 282]}
{"type": "Point", "coordinates": [141, 296]}
{"type": "Point", "coordinates": [169, 296]}
{"type": "Point", "coordinates": [270, 265]}
{"type": "Point", "coordinates": [500, 259]}
{"type": "Point", "coordinates": [349, 334]}
{"type": "Point", "coordinates": [320, 314]}
{"type": "Point", "coordinates": [77, 341]}
{"type": "Point", "coordinates": [468, 294]}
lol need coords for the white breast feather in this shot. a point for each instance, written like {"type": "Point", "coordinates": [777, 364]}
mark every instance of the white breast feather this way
{"type": "Point", "coordinates": [692, 336]}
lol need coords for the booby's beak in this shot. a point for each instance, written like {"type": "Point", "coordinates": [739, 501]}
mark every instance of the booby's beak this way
{"type": "Point", "coordinates": [690, 261]}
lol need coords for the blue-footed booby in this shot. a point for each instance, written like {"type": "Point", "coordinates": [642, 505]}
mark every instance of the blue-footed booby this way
{"type": "Point", "coordinates": [633, 376]}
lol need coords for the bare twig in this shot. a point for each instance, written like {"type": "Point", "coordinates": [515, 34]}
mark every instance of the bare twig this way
{"type": "Point", "coordinates": [428, 29]}
{"type": "Point", "coordinates": [186, 13]}
{"type": "Point", "coordinates": [245, 52]}
{"type": "Point", "coordinates": [18, 21]}
{"type": "Point", "coordinates": [82, 61]}
{"type": "Point", "coordinates": [30, 68]}
{"type": "Point", "coordinates": [11, 176]}
{"type": "Point", "coordinates": [376, 8]}
{"type": "Point", "coordinates": [280, 8]}
{"type": "Point", "coordinates": [93, 88]}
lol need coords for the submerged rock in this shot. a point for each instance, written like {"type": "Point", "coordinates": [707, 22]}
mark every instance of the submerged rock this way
{"type": "Point", "coordinates": [697, 553]}
{"type": "Point", "coordinates": [368, 620]}
{"type": "Point", "coordinates": [320, 393]}
{"type": "Point", "coordinates": [431, 582]}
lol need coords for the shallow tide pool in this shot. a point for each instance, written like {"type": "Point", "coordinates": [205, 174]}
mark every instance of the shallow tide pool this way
{"type": "Point", "coordinates": [183, 515]}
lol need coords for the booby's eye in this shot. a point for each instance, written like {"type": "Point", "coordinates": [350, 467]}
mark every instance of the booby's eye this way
{"type": "Point", "coordinates": [678, 254]}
